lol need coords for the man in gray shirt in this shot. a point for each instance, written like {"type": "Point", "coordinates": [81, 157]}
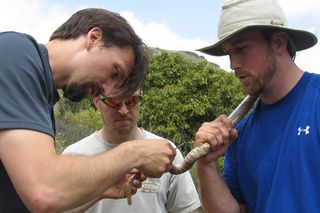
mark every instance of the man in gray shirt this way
{"type": "Point", "coordinates": [169, 193]}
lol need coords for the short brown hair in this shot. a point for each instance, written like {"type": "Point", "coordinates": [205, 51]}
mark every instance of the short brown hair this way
{"type": "Point", "coordinates": [116, 31]}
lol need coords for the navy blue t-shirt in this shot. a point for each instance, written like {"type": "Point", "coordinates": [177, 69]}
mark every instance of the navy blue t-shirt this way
{"type": "Point", "coordinates": [27, 96]}
{"type": "Point", "coordinates": [274, 164]}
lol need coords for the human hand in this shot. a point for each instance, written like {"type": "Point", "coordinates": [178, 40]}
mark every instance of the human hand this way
{"type": "Point", "coordinates": [157, 157]}
{"type": "Point", "coordinates": [120, 189]}
{"type": "Point", "coordinates": [219, 134]}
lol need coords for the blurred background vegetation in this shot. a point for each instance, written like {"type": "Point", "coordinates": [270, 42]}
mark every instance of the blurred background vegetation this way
{"type": "Point", "coordinates": [182, 91]}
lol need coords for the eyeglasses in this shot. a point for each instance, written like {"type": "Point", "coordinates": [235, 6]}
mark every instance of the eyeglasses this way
{"type": "Point", "coordinates": [117, 102]}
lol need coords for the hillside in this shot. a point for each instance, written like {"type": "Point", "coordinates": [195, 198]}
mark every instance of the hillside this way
{"type": "Point", "coordinates": [194, 57]}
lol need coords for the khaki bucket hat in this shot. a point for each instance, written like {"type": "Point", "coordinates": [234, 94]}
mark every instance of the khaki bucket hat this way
{"type": "Point", "coordinates": [239, 15]}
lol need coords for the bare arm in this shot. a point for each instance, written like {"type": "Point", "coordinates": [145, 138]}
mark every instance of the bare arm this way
{"type": "Point", "coordinates": [84, 207]}
{"type": "Point", "coordinates": [214, 193]}
{"type": "Point", "coordinates": [119, 190]}
{"type": "Point", "coordinates": [48, 182]}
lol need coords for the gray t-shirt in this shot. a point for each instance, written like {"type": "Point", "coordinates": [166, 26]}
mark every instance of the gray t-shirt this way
{"type": "Point", "coordinates": [169, 193]}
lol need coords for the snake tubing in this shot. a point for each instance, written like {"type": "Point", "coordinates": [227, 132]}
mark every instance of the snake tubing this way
{"type": "Point", "coordinates": [200, 151]}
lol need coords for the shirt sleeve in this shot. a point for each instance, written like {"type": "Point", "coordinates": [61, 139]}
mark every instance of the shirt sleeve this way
{"type": "Point", "coordinates": [24, 94]}
{"type": "Point", "coordinates": [230, 172]}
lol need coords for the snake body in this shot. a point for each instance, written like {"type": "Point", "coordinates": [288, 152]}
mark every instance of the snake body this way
{"type": "Point", "coordinates": [129, 189]}
{"type": "Point", "coordinates": [198, 152]}
{"type": "Point", "coordinates": [129, 194]}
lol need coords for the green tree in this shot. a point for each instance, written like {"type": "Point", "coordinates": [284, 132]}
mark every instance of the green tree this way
{"type": "Point", "coordinates": [180, 94]}
{"type": "Point", "coordinates": [75, 121]}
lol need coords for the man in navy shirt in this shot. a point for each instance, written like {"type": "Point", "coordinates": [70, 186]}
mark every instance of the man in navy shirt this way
{"type": "Point", "coordinates": [93, 53]}
{"type": "Point", "coordinates": [273, 163]}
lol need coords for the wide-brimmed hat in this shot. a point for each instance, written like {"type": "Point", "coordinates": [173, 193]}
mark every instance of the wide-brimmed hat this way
{"type": "Point", "coordinates": [240, 15]}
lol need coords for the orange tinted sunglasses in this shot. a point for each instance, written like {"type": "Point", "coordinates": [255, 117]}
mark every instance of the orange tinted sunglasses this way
{"type": "Point", "coordinates": [118, 102]}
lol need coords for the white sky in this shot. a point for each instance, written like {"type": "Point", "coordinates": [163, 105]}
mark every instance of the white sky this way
{"type": "Point", "coordinates": [167, 24]}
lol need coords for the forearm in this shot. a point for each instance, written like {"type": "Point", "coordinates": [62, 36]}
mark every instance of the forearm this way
{"type": "Point", "coordinates": [82, 178]}
{"type": "Point", "coordinates": [47, 182]}
{"type": "Point", "coordinates": [85, 178]}
{"type": "Point", "coordinates": [82, 208]}
{"type": "Point", "coordinates": [214, 193]}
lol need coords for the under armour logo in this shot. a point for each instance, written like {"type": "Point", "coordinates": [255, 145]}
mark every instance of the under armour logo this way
{"type": "Point", "coordinates": [305, 130]}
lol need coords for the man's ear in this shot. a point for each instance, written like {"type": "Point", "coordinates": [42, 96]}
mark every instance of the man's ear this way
{"type": "Point", "coordinates": [95, 102]}
{"type": "Point", "coordinates": [94, 37]}
{"type": "Point", "coordinates": [279, 41]}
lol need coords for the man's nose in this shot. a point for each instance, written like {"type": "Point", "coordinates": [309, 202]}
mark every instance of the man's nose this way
{"type": "Point", "coordinates": [123, 109]}
{"type": "Point", "coordinates": [107, 88]}
{"type": "Point", "coordinates": [234, 62]}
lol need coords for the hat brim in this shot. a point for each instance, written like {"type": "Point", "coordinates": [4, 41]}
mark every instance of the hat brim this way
{"type": "Point", "coordinates": [302, 39]}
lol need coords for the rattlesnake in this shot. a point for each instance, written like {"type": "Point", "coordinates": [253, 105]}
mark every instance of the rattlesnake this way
{"type": "Point", "coordinates": [198, 152]}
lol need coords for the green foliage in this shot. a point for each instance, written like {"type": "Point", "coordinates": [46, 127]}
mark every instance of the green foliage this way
{"type": "Point", "coordinates": [65, 106]}
{"type": "Point", "coordinates": [60, 144]}
{"type": "Point", "coordinates": [89, 118]}
{"type": "Point", "coordinates": [179, 95]}
{"type": "Point", "coordinates": [75, 123]}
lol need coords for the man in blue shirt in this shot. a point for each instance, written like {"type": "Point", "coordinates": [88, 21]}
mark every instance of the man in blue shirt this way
{"type": "Point", "coordinates": [273, 163]}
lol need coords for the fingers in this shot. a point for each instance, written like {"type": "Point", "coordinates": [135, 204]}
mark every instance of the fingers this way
{"type": "Point", "coordinates": [136, 180]}
{"type": "Point", "coordinates": [158, 158]}
{"type": "Point", "coordinates": [168, 162]}
{"type": "Point", "coordinates": [142, 178]}
{"type": "Point", "coordinates": [135, 185]}
{"type": "Point", "coordinates": [233, 134]}
{"type": "Point", "coordinates": [134, 171]}
{"type": "Point", "coordinates": [218, 133]}
{"type": "Point", "coordinates": [171, 156]}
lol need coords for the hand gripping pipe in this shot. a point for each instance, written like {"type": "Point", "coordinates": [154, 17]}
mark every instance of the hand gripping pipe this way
{"type": "Point", "coordinates": [198, 152]}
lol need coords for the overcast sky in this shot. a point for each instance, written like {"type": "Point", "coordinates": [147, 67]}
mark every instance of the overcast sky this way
{"type": "Point", "coordinates": [168, 24]}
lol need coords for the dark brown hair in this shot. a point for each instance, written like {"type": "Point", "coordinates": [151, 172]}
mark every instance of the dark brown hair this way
{"type": "Point", "coordinates": [116, 31]}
